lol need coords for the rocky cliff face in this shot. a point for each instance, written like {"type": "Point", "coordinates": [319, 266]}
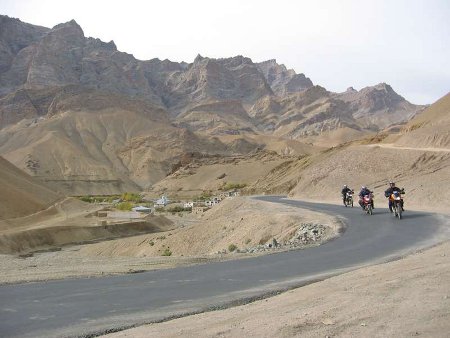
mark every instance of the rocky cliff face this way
{"type": "Point", "coordinates": [36, 59]}
{"type": "Point", "coordinates": [49, 77]}
{"type": "Point", "coordinates": [281, 80]}
{"type": "Point", "coordinates": [15, 36]}
{"type": "Point", "coordinates": [378, 106]}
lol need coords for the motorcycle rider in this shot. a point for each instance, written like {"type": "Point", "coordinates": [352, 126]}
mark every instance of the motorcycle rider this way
{"type": "Point", "coordinates": [390, 191]}
{"type": "Point", "coordinates": [344, 192]}
{"type": "Point", "coordinates": [364, 191]}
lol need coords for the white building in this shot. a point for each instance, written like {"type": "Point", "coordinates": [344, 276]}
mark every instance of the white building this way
{"type": "Point", "coordinates": [163, 201]}
{"type": "Point", "coordinates": [212, 201]}
{"type": "Point", "coordinates": [188, 205]}
{"type": "Point", "coordinates": [141, 208]}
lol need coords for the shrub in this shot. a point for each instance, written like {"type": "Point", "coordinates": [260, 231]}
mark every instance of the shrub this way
{"type": "Point", "coordinates": [166, 252]}
{"type": "Point", "coordinates": [98, 198]}
{"type": "Point", "coordinates": [175, 209]}
{"type": "Point", "coordinates": [206, 195]}
{"type": "Point", "coordinates": [86, 199]}
{"type": "Point", "coordinates": [131, 197]}
{"type": "Point", "coordinates": [232, 247]}
{"type": "Point", "coordinates": [124, 206]}
{"type": "Point", "coordinates": [231, 186]}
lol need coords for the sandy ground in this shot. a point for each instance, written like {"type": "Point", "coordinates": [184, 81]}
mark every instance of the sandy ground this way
{"type": "Point", "coordinates": [404, 298]}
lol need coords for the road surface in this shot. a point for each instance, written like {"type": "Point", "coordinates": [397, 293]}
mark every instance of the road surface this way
{"type": "Point", "coordinates": [83, 307]}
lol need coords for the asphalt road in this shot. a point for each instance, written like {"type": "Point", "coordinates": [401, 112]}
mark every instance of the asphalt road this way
{"type": "Point", "coordinates": [81, 307]}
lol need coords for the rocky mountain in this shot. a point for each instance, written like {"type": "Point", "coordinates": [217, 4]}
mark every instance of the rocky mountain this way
{"type": "Point", "coordinates": [378, 106]}
{"type": "Point", "coordinates": [281, 80]}
{"type": "Point", "coordinates": [90, 113]}
{"type": "Point", "coordinates": [112, 143]}
{"type": "Point", "coordinates": [15, 37]}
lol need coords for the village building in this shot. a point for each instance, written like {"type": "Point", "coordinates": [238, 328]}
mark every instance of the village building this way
{"type": "Point", "coordinates": [188, 205]}
{"type": "Point", "coordinates": [163, 201]}
{"type": "Point", "coordinates": [213, 201]}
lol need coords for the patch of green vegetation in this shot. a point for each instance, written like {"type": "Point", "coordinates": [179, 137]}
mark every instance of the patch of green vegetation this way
{"type": "Point", "coordinates": [232, 186]}
{"type": "Point", "coordinates": [247, 241]}
{"type": "Point", "coordinates": [232, 247]}
{"type": "Point", "coordinates": [131, 197]}
{"type": "Point", "coordinates": [166, 252]}
{"type": "Point", "coordinates": [178, 209]}
{"type": "Point", "coordinates": [124, 206]}
{"type": "Point", "coordinates": [98, 198]}
{"type": "Point", "coordinates": [206, 195]}
{"type": "Point", "coordinates": [151, 243]}
{"type": "Point", "coordinates": [87, 199]}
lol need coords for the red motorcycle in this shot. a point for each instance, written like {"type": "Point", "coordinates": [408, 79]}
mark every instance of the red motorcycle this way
{"type": "Point", "coordinates": [367, 203]}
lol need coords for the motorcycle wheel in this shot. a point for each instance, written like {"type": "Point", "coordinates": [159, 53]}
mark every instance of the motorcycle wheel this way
{"type": "Point", "coordinates": [352, 202]}
{"type": "Point", "coordinates": [369, 209]}
{"type": "Point", "coordinates": [399, 212]}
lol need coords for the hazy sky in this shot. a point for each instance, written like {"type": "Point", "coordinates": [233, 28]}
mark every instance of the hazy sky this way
{"type": "Point", "coordinates": [338, 44]}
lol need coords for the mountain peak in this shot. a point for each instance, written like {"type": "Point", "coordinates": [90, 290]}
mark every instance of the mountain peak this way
{"type": "Point", "coordinates": [283, 80]}
{"type": "Point", "coordinates": [198, 58]}
{"type": "Point", "coordinates": [71, 25]}
{"type": "Point", "coordinates": [383, 86]}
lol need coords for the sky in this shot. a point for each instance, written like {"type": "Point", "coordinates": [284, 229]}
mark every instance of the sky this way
{"type": "Point", "coordinates": [337, 44]}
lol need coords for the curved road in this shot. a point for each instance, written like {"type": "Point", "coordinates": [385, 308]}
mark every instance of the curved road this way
{"type": "Point", "coordinates": [82, 307]}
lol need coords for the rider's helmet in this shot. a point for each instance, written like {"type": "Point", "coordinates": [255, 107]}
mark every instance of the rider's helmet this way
{"type": "Point", "coordinates": [345, 185]}
{"type": "Point", "coordinates": [363, 187]}
{"type": "Point", "coordinates": [392, 184]}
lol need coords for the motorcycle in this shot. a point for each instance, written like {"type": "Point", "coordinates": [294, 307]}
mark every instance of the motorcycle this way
{"type": "Point", "coordinates": [349, 199]}
{"type": "Point", "coordinates": [396, 203]}
{"type": "Point", "coordinates": [367, 203]}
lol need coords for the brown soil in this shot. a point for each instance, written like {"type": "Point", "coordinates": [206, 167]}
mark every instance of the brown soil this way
{"type": "Point", "coordinates": [21, 194]}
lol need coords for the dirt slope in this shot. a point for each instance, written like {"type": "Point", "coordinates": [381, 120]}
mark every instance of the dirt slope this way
{"type": "Point", "coordinates": [431, 128]}
{"type": "Point", "coordinates": [20, 194]}
{"type": "Point", "coordinates": [421, 173]}
{"type": "Point", "coordinates": [239, 221]}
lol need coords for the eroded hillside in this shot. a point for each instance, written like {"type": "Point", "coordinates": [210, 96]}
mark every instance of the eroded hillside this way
{"type": "Point", "coordinates": [21, 194]}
